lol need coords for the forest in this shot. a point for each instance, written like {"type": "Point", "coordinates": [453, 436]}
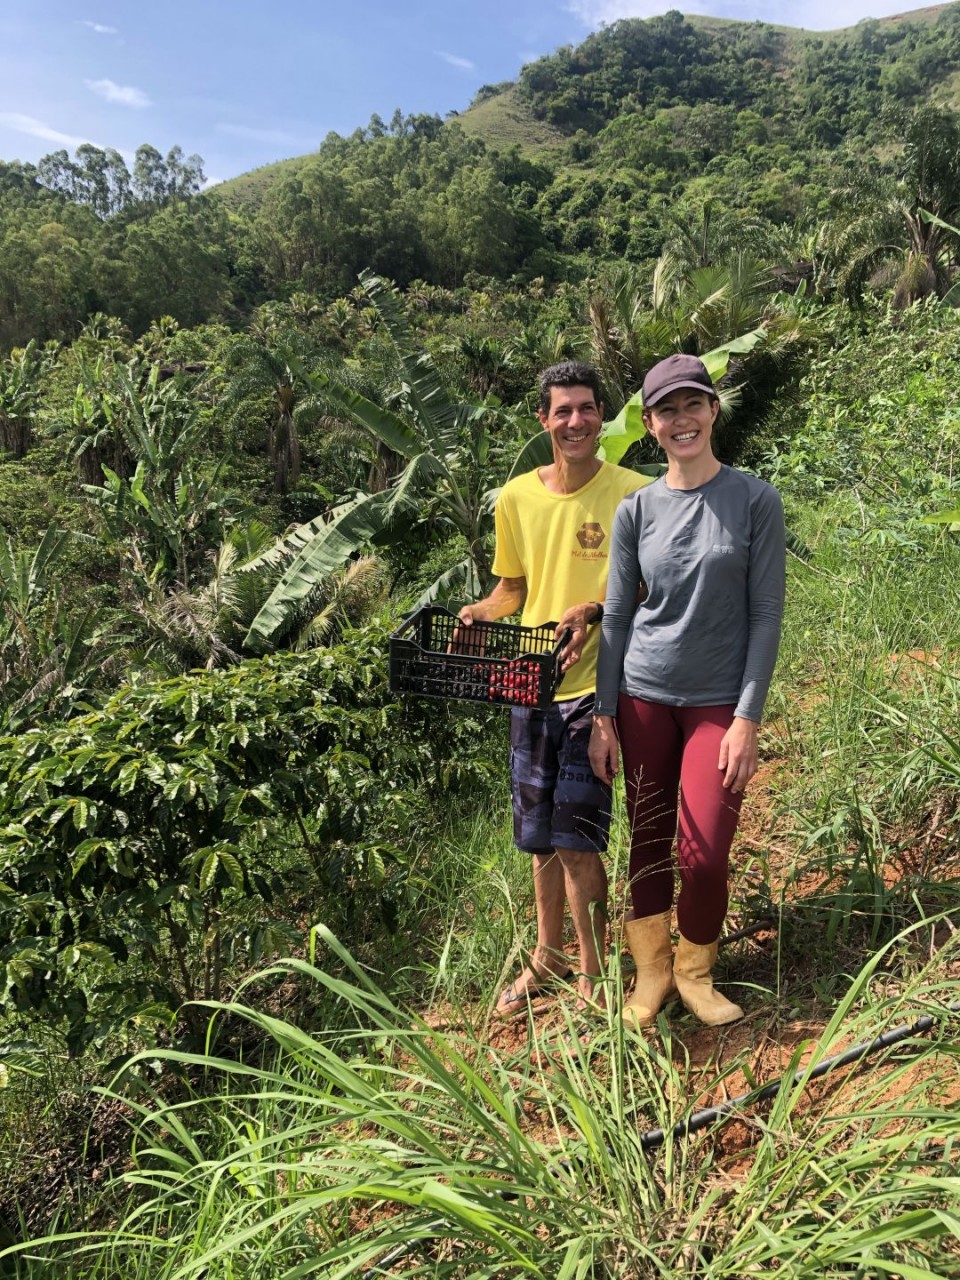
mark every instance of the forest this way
{"type": "Point", "coordinates": [255, 907]}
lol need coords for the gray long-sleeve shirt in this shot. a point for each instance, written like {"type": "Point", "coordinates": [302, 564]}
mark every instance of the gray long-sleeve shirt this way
{"type": "Point", "coordinates": [713, 561]}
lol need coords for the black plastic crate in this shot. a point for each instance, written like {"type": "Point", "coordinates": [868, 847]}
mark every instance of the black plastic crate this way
{"type": "Point", "coordinates": [432, 653]}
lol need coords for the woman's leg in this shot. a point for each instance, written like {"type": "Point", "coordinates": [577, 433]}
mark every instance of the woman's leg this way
{"type": "Point", "coordinates": [651, 743]}
{"type": "Point", "coordinates": [708, 821]}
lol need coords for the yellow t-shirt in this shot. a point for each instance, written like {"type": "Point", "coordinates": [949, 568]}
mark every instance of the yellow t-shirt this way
{"type": "Point", "coordinates": [560, 543]}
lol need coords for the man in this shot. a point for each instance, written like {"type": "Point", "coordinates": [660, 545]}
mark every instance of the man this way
{"type": "Point", "coordinates": [553, 534]}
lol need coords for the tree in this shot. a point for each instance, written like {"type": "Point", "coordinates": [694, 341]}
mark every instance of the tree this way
{"type": "Point", "coordinates": [166, 513]}
{"type": "Point", "coordinates": [888, 240]}
{"type": "Point", "coordinates": [50, 657]}
{"type": "Point", "coordinates": [151, 180]}
{"type": "Point", "coordinates": [274, 364]}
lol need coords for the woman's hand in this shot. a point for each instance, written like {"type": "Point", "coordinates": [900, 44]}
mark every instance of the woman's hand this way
{"type": "Point", "coordinates": [738, 754]}
{"type": "Point", "coordinates": [604, 749]}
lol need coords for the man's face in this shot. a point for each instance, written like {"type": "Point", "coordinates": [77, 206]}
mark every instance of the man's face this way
{"type": "Point", "coordinates": [574, 423]}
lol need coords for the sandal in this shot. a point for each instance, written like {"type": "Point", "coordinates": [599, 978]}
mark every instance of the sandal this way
{"type": "Point", "coordinates": [514, 1001]}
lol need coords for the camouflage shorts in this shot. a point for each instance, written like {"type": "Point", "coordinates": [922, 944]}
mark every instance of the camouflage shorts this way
{"type": "Point", "coordinates": [558, 802]}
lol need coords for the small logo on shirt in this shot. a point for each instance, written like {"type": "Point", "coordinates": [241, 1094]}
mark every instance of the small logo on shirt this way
{"type": "Point", "coordinates": [590, 535]}
{"type": "Point", "coordinates": [721, 549]}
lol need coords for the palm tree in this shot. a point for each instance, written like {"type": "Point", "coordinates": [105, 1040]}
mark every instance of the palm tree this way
{"type": "Point", "coordinates": [275, 364]}
{"type": "Point", "coordinates": [888, 240]}
{"type": "Point", "coordinates": [708, 234]}
{"type": "Point", "coordinates": [733, 306]}
{"type": "Point", "coordinates": [486, 360]}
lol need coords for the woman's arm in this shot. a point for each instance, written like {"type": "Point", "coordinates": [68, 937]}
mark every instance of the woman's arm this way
{"type": "Point", "coordinates": [619, 605]}
{"type": "Point", "coordinates": [766, 579]}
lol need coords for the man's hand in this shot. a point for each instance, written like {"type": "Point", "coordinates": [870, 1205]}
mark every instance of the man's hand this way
{"type": "Point", "coordinates": [575, 620]}
{"type": "Point", "coordinates": [738, 754]}
{"type": "Point", "coordinates": [471, 613]}
{"type": "Point", "coordinates": [604, 749]}
{"type": "Point", "coordinates": [462, 641]}
{"type": "Point", "coordinates": [507, 597]}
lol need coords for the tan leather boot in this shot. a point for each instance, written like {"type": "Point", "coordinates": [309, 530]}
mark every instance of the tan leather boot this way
{"type": "Point", "coordinates": [649, 941]}
{"type": "Point", "coordinates": [692, 972]}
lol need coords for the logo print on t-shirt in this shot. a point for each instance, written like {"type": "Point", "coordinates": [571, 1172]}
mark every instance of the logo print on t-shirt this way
{"type": "Point", "coordinates": [590, 535]}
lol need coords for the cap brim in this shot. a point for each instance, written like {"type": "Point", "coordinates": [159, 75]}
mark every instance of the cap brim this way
{"type": "Point", "coordinates": [679, 386]}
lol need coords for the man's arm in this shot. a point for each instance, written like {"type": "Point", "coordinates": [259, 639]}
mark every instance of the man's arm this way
{"type": "Point", "coordinates": [506, 598]}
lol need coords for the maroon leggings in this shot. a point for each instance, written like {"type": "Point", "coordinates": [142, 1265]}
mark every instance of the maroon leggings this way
{"type": "Point", "coordinates": [666, 749]}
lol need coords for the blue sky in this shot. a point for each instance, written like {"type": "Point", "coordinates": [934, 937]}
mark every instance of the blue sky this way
{"type": "Point", "coordinates": [246, 82]}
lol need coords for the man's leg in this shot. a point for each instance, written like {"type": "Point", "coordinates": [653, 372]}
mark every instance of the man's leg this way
{"type": "Point", "coordinates": [548, 958]}
{"type": "Point", "coordinates": [533, 770]}
{"type": "Point", "coordinates": [580, 830]}
{"type": "Point", "coordinates": [585, 880]}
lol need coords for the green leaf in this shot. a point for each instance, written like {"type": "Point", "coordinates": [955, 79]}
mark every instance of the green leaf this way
{"type": "Point", "coordinates": [333, 542]}
{"type": "Point", "coordinates": [624, 430]}
{"type": "Point", "coordinates": [208, 871]}
{"type": "Point", "coordinates": [231, 866]}
{"type": "Point", "coordinates": [386, 426]}
{"type": "Point", "coordinates": [950, 518]}
{"type": "Point", "coordinates": [537, 452]}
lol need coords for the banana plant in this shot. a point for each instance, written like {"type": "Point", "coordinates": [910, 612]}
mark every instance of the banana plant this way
{"type": "Point", "coordinates": [172, 506]}
{"type": "Point", "coordinates": [50, 657]}
{"type": "Point", "coordinates": [20, 394]}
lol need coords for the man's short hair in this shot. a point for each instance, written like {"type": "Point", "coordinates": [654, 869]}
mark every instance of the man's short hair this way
{"type": "Point", "coordinates": [569, 373]}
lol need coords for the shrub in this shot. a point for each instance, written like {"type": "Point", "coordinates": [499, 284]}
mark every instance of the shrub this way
{"type": "Point", "coordinates": [128, 835]}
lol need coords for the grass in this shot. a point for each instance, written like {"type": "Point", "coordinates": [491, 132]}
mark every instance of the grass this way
{"type": "Point", "coordinates": [504, 121]}
{"type": "Point", "coordinates": [345, 1145]}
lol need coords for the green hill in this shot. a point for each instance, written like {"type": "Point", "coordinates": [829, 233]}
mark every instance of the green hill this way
{"type": "Point", "coordinates": [614, 72]}
{"type": "Point", "coordinates": [504, 120]}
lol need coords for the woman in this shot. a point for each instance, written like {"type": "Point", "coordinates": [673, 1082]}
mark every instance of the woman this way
{"type": "Point", "coordinates": [686, 672]}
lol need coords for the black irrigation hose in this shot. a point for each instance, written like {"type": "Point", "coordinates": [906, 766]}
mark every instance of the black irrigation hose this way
{"type": "Point", "coordinates": [759, 924]}
{"type": "Point", "coordinates": [700, 1119]}
{"type": "Point", "coordinates": [654, 1138]}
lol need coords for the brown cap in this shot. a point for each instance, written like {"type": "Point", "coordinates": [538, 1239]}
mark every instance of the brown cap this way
{"type": "Point", "coordinates": [672, 374]}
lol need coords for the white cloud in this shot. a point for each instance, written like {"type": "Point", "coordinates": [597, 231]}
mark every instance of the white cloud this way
{"type": "Point", "coordinates": [37, 129]}
{"type": "Point", "coordinates": [279, 136]}
{"type": "Point", "coordinates": [814, 15]}
{"type": "Point", "coordinates": [100, 29]}
{"type": "Point", "coordinates": [464, 64]}
{"type": "Point", "coordinates": [594, 12]}
{"type": "Point", "coordinates": [126, 95]}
